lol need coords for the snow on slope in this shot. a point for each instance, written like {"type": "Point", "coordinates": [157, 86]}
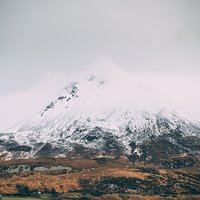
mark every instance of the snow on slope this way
{"type": "Point", "coordinates": [96, 96]}
{"type": "Point", "coordinates": [105, 98]}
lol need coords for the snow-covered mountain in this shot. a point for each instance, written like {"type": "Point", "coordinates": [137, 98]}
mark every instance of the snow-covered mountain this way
{"type": "Point", "coordinates": [101, 113]}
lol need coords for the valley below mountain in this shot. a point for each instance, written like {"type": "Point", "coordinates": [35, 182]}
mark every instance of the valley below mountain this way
{"type": "Point", "coordinates": [103, 140]}
{"type": "Point", "coordinates": [98, 178]}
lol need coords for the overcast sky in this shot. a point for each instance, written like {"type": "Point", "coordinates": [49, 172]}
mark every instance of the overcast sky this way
{"type": "Point", "coordinates": [44, 36]}
{"type": "Point", "coordinates": [39, 38]}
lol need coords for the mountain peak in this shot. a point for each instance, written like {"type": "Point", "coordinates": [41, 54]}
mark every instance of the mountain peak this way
{"type": "Point", "coordinates": [107, 107]}
{"type": "Point", "coordinates": [105, 68]}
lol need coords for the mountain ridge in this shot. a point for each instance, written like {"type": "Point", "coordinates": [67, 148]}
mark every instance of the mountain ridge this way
{"type": "Point", "coordinates": [99, 116]}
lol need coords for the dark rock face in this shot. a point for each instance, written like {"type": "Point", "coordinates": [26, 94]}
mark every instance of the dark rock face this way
{"type": "Point", "coordinates": [164, 142]}
{"type": "Point", "coordinates": [24, 148]}
{"type": "Point", "coordinates": [48, 150]}
{"type": "Point", "coordinates": [164, 149]}
{"type": "Point", "coordinates": [100, 141]}
{"type": "Point", "coordinates": [62, 97]}
{"type": "Point", "coordinates": [51, 105]}
{"type": "Point", "coordinates": [13, 146]}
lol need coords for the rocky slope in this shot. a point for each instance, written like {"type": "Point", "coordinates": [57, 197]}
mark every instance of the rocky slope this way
{"type": "Point", "coordinates": [97, 116]}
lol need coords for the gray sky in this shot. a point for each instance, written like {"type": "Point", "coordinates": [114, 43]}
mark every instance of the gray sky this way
{"type": "Point", "coordinates": [43, 41]}
{"type": "Point", "coordinates": [46, 36]}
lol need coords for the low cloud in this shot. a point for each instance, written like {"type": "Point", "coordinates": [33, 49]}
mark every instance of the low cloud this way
{"type": "Point", "coordinates": [146, 90]}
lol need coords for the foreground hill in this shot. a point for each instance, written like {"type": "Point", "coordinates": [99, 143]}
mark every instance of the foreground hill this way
{"type": "Point", "coordinates": [98, 178]}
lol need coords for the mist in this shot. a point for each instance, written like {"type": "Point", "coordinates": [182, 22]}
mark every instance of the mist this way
{"type": "Point", "coordinates": [44, 42]}
{"type": "Point", "coordinates": [123, 90]}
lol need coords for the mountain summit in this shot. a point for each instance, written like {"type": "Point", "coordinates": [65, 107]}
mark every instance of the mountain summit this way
{"type": "Point", "coordinates": [101, 114]}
